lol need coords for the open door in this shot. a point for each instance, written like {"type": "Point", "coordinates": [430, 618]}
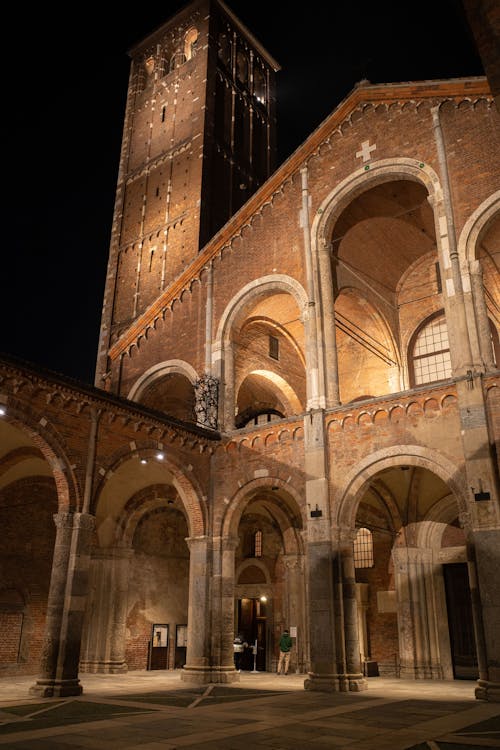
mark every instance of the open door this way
{"type": "Point", "coordinates": [460, 623]}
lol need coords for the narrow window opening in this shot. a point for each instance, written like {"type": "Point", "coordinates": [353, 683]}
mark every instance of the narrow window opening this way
{"type": "Point", "coordinates": [274, 347]}
{"type": "Point", "coordinates": [257, 542]}
{"type": "Point", "coordinates": [363, 549]}
{"type": "Point", "coordinates": [163, 110]}
{"type": "Point", "coordinates": [438, 278]}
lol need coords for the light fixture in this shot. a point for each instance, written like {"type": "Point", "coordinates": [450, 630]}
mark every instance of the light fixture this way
{"type": "Point", "coordinates": [143, 461]}
{"type": "Point", "coordinates": [160, 456]}
{"type": "Point", "coordinates": [3, 411]}
{"type": "Point", "coordinates": [263, 599]}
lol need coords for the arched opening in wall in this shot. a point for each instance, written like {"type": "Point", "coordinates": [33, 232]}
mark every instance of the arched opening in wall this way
{"type": "Point", "coordinates": [172, 394]}
{"type": "Point", "coordinates": [158, 588]}
{"type": "Point", "coordinates": [269, 362]}
{"type": "Point", "coordinates": [376, 239]}
{"type": "Point", "coordinates": [488, 252]}
{"type": "Point", "coordinates": [366, 353]}
{"type": "Point", "coordinates": [28, 502]}
{"type": "Point", "coordinates": [137, 608]}
{"type": "Point", "coordinates": [269, 580]}
{"type": "Point", "coordinates": [412, 590]}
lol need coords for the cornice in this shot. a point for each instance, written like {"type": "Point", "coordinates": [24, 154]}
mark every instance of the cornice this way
{"type": "Point", "coordinates": [456, 90]}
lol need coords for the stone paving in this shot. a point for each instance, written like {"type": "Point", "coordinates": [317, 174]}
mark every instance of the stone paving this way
{"type": "Point", "coordinates": [157, 711]}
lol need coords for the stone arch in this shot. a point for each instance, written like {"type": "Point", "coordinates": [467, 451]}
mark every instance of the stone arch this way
{"type": "Point", "coordinates": [412, 455]}
{"type": "Point", "coordinates": [223, 351]}
{"type": "Point", "coordinates": [189, 494]}
{"type": "Point", "coordinates": [49, 443]}
{"type": "Point", "coordinates": [384, 170]}
{"type": "Point", "coordinates": [476, 225]}
{"type": "Point", "coordinates": [158, 371]}
{"type": "Point", "coordinates": [253, 563]}
{"type": "Point", "coordinates": [246, 492]}
{"type": "Point", "coordinates": [327, 214]}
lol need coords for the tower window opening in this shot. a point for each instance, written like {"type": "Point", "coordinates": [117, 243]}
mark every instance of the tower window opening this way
{"type": "Point", "coordinates": [363, 549]}
{"type": "Point", "coordinates": [274, 347]}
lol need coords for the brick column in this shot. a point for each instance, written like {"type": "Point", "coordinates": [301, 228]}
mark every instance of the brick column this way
{"type": "Point", "coordinates": [65, 608]}
{"type": "Point", "coordinates": [354, 676]}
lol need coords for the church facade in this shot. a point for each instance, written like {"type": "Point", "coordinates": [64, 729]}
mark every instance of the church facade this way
{"type": "Point", "coordinates": [296, 413]}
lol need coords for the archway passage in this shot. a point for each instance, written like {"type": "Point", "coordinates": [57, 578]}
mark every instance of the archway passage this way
{"type": "Point", "coordinates": [414, 606]}
{"type": "Point", "coordinates": [172, 394]}
{"type": "Point", "coordinates": [269, 361]}
{"type": "Point", "coordinates": [28, 502]}
{"type": "Point", "coordinates": [269, 579]}
{"type": "Point", "coordinates": [384, 264]}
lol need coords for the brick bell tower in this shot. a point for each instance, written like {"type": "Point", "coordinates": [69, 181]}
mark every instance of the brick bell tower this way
{"type": "Point", "coordinates": [198, 140]}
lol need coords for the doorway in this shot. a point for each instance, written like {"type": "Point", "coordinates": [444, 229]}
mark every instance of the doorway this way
{"type": "Point", "coordinates": [251, 621]}
{"type": "Point", "coordinates": [460, 622]}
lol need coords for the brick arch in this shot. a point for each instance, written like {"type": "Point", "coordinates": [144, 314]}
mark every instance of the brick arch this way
{"type": "Point", "coordinates": [222, 350]}
{"type": "Point", "coordinates": [253, 563]}
{"type": "Point", "coordinates": [159, 371]}
{"type": "Point", "coordinates": [411, 455]}
{"type": "Point", "coordinates": [140, 504]}
{"type": "Point", "coordinates": [253, 290]}
{"type": "Point", "coordinates": [187, 489]}
{"type": "Point", "coordinates": [236, 507]}
{"type": "Point", "coordinates": [476, 225]}
{"type": "Point", "coordinates": [383, 170]}
{"type": "Point", "coordinates": [50, 444]}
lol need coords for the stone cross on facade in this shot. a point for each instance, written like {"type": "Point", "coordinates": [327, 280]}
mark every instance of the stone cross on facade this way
{"type": "Point", "coordinates": [366, 150]}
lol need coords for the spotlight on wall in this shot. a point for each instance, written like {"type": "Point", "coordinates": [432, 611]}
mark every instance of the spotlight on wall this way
{"type": "Point", "coordinates": [160, 456]}
{"type": "Point", "coordinates": [143, 461]}
{"type": "Point", "coordinates": [3, 411]}
{"type": "Point", "coordinates": [263, 599]}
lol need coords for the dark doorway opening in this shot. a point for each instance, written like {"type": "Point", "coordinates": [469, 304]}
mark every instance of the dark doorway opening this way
{"type": "Point", "coordinates": [460, 622]}
{"type": "Point", "coordinates": [251, 621]}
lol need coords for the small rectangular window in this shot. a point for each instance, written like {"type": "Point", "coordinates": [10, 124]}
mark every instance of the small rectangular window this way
{"type": "Point", "coordinates": [438, 279]}
{"type": "Point", "coordinates": [274, 347]}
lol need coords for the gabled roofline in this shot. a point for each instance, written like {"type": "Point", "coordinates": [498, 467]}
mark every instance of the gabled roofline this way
{"type": "Point", "coordinates": [364, 92]}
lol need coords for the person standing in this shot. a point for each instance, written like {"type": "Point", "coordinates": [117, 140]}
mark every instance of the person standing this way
{"type": "Point", "coordinates": [239, 646]}
{"type": "Point", "coordinates": [285, 648]}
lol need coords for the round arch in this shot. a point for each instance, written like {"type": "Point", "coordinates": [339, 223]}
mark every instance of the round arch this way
{"type": "Point", "coordinates": [411, 455]}
{"type": "Point", "coordinates": [47, 440]}
{"type": "Point", "coordinates": [476, 225]}
{"type": "Point", "coordinates": [241, 498]}
{"type": "Point", "coordinates": [159, 371]}
{"type": "Point", "coordinates": [222, 350]}
{"type": "Point", "coordinates": [188, 493]}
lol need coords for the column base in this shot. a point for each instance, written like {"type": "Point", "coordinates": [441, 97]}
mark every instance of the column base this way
{"type": "Point", "coordinates": [488, 691]}
{"type": "Point", "coordinates": [56, 688]}
{"type": "Point", "coordinates": [335, 683]}
{"type": "Point", "coordinates": [209, 675]}
{"type": "Point", "coordinates": [103, 667]}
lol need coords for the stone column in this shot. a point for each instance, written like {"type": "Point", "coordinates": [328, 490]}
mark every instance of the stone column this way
{"type": "Point", "coordinates": [66, 605]}
{"type": "Point", "coordinates": [295, 608]}
{"type": "Point", "coordinates": [322, 675]}
{"type": "Point", "coordinates": [417, 616]}
{"type": "Point", "coordinates": [354, 675]}
{"type": "Point", "coordinates": [484, 564]}
{"type": "Point", "coordinates": [197, 668]}
{"type": "Point", "coordinates": [481, 315]}
{"type": "Point", "coordinates": [328, 328]}
{"type": "Point", "coordinates": [105, 631]}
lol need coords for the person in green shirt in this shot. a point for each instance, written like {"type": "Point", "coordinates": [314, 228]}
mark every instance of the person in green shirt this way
{"type": "Point", "coordinates": [285, 647]}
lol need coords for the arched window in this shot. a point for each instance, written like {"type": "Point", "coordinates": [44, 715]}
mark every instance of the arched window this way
{"type": "Point", "coordinates": [190, 42]}
{"type": "Point", "coordinates": [259, 84]}
{"type": "Point", "coordinates": [257, 544]}
{"type": "Point", "coordinates": [242, 67]}
{"type": "Point", "coordinates": [430, 354]}
{"type": "Point", "coordinates": [363, 549]}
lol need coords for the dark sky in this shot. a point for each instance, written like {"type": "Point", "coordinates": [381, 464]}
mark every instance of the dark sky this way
{"type": "Point", "coordinates": [66, 80]}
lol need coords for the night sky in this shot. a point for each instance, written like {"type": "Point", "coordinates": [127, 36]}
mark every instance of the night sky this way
{"type": "Point", "coordinates": [65, 80]}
